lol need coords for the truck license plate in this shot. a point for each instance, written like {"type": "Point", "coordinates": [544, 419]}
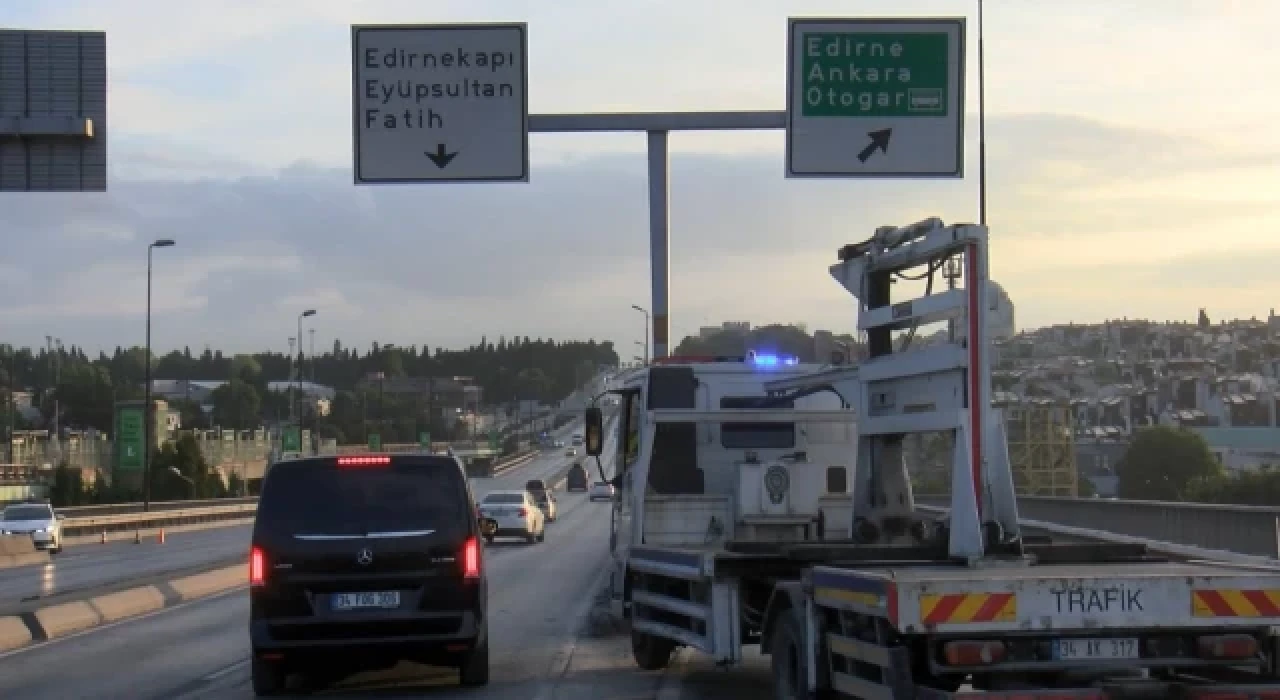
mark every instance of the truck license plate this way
{"type": "Point", "coordinates": [365, 600]}
{"type": "Point", "coordinates": [1095, 649]}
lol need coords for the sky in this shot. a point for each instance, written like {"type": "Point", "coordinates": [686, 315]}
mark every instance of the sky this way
{"type": "Point", "coordinates": [1132, 160]}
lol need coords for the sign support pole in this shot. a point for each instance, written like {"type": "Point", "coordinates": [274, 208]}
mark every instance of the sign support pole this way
{"type": "Point", "coordinates": [659, 239]}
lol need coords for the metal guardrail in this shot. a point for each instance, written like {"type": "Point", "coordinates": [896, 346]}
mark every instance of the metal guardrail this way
{"type": "Point", "coordinates": [76, 512]}
{"type": "Point", "coordinates": [1252, 530]}
{"type": "Point", "coordinates": [91, 520]}
{"type": "Point", "coordinates": [1172, 549]}
{"type": "Point", "coordinates": [94, 524]}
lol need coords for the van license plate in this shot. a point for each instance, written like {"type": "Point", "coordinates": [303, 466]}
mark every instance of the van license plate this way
{"type": "Point", "coordinates": [363, 601]}
{"type": "Point", "coordinates": [1095, 649]}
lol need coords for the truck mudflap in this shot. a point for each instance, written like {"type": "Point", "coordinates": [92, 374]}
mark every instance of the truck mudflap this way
{"type": "Point", "coordinates": [1138, 690]}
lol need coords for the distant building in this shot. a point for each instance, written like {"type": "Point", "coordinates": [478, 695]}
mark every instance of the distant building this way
{"type": "Point", "coordinates": [199, 391]}
{"type": "Point", "coordinates": [728, 326]}
{"type": "Point", "coordinates": [1000, 317]}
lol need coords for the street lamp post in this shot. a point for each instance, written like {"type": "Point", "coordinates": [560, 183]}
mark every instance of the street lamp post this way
{"type": "Point", "coordinates": [147, 418]}
{"type": "Point", "coordinates": [646, 330]}
{"type": "Point", "coordinates": [296, 402]}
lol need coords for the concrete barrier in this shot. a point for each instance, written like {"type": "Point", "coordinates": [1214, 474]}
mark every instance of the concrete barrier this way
{"type": "Point", "coordinates": [20, 550]}
{"type": "Point", "coordinates": [128, 603]}
{"type": "Point", "coordinates": [56, 621]}
{"type": "Point", "coordinates": [14, 633]}
{"type": "Point", "coordinates": [67, 618]}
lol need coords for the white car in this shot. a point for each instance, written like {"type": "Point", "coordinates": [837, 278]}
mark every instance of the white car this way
{"type": "Point", "coordinates": [37, 520]}
{"type": "Point", "coordinates": [516, 514]}
{"type": "Point", "coordinates": [601, 491]}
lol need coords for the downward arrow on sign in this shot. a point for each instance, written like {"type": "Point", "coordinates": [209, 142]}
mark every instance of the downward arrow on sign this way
{"type": "Point", "coordinates": [441, 158]}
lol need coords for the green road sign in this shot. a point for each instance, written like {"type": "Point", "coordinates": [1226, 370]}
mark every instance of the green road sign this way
{"type": "Point", "coordinates": [130, 441]}
{"type": "Point", "coordinates": [375, 442]}
{"type": "Point", "coordinates": [424, 440]}
{"type": "Point", "coordinates": [291, 439]}
{"type": "Point", "coordinates": [875, 97]}
{"type": "Point", "coordinates": [493, 439]}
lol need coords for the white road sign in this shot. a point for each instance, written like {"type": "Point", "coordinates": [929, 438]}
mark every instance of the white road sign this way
{"type": "Point", "coordinates": [440, 103]}
{"type": "Point", "coordinates": [875, 97]}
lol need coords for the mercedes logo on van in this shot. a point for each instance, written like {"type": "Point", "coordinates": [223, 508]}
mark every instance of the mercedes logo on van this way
{"type": "Point", "coordinates": [365, 557]}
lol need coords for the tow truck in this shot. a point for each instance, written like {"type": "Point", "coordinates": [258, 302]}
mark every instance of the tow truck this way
{"type": "Point", "coordinates": [752, 508]}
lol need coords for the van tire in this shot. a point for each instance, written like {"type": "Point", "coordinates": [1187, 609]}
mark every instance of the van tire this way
{"type": "Point", "coordinates": [474, 670]}
{"type": "Point", "coordinates": [268, 678]}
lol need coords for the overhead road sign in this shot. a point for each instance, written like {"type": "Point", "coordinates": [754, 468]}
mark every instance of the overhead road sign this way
{"type": "Point", "coordinates": [440, 103]}
{"type": "Point", "coordinates": [875, 97]}
{"type": "Point", "coordinates": [53, 111]}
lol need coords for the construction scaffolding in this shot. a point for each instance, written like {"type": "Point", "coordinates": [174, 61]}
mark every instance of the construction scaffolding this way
{"type": "Point", "coordinates": [1042, 447]}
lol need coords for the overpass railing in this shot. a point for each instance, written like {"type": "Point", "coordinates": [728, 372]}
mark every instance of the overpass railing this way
{"type": "Point", "coordinates": [1253, 530]}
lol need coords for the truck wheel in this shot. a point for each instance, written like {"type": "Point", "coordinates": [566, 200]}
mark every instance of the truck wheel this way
{"type": "Point", "coordinates": [651, 653]}
{"type": "Point", "coordinates": [788, 661]}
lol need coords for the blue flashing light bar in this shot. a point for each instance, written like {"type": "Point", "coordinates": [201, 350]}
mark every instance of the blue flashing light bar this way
{"type": "Point", "coordinates": [767, 360]}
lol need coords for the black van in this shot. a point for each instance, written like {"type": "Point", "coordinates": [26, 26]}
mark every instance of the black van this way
{"type": "Point", "coordinates": [358, 562]}
{"type": "Point", "coordinates": [577, 478]}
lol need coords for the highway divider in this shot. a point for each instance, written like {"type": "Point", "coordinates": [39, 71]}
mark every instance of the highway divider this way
{"type": "Point", "coordinates": [92, 520]}
{"type": "Point", "coordinates": [64, 619]}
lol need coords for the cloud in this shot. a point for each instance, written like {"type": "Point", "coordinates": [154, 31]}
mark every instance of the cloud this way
{"type": "Point", "coordinates": [567, 254]}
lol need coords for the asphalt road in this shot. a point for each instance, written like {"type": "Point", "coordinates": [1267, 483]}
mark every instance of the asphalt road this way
{"type": "Point", "coordinates": [120, 564]}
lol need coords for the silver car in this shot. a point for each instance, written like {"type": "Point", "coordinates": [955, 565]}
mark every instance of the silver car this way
{"type": "Point", "coordinates": [516, 514]}
{"type": "Point", "coordinates": [35, 519]}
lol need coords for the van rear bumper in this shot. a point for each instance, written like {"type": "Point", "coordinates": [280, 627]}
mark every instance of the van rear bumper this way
{"type": "Point", "coordinates": [431, 638]}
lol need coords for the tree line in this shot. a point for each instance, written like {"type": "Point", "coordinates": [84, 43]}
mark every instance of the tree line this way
{"type": "Point", "coordinates": [85, 389]}
{"type": "Point", "coordinates": [1165, 463]}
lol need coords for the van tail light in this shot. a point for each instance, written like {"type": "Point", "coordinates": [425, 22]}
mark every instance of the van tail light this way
{"type": "Point", "coordinates": [1227, 646]}
{"type": "Point", "coordinates": [471, 559]}
{"type": "Point", "coordinates": [257, 567]}
{"type": "Point", "coordinates": [973, 653]}
{"type": "Point", "coordinates": [522, 512]}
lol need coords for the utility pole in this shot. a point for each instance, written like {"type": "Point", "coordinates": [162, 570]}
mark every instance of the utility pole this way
{"type": "Point", "coordinates": [11, 405]}
{"type": "Point", "coordinates": [312, 332]}
{"type": "Point", "coordinates": [291, 370]}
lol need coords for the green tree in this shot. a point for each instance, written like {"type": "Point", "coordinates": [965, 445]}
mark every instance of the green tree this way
{"type": "Point", "coordinates": [1163, 462]}
{"type": "Point", "coordinates": [67, 488]}
{"type": "Point", "coordinates": [236, 405]}
{"type": "Point", "coordinates": [179, 471]}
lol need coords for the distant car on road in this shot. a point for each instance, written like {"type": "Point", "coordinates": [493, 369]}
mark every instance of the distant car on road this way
{"type": "Point", "coordinates": [601, 491]}
{"type": "Point", "coordinates": [369, 554]}
{"type": "Point", "coordinates": [576, 479]}
{"type": "Point", "coordinates": [37, 520]}
{"type": "Point", "coordinates": [571, 452]}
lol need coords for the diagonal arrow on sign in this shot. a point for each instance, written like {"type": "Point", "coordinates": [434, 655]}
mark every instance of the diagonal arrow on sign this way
{"type": "Point", "coordinates": [880, 140]}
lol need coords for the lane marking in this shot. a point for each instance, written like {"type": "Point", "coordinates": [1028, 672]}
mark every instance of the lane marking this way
{"type": "Point", "coordinates": [226, 671]}
{"type": "Point", "coordinates": [117, 623]}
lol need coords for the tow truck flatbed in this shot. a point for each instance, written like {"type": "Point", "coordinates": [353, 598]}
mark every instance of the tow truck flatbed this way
{"type": "Point", "coordinates": [1023, 597]}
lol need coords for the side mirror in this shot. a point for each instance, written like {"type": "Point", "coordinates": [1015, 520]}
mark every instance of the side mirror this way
{"type": "Point", "coordinates": [593, 435]}
{"type": "Point", "coordinates": [488, 526]}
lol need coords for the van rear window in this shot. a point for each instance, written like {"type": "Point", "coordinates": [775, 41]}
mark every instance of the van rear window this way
{"type": "Point", "coordinates": [316, 496]}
